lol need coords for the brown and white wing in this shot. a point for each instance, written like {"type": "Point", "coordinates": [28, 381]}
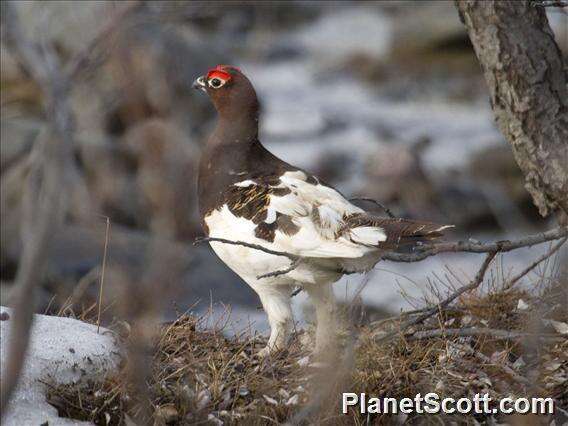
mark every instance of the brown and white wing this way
{"type": "Point", "coordinates": [295, 213]}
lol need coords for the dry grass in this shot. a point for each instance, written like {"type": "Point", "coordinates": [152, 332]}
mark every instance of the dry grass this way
{"type": "Point", "coordinates": [202, 377]}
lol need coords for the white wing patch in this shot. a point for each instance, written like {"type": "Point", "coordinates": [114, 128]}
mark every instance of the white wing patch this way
{"type": "Point", "coordinates": [327, 220]}
{"type": "Point", "coordinates": [368, 235]}
{"type": "Point", "coordinates": [245, 183]}
{"type": "Point", "coordinates": [317, 211]}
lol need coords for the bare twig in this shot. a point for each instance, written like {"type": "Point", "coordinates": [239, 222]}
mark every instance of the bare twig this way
{"type": "Point", "coordinates": [297, 291]}
{"type": "Point", "coordinates": [428, 312]}
{"type": "Point", "coordinates": [103, 267]}
{"type": "Point", "coordinates": [475, 331]}
{"type": "Point", "coordinates": [293, 265]}
{"type": "Point", "coordinates": [249, 245]}
{"type": "Point", "coordinates": [428, 250]}
{"type": "Point", "coordinates": [371, 200]}
{"type": "Point", "coordinates": [511, 282]}
{"type": "Point", "coordinates": [294, 258]}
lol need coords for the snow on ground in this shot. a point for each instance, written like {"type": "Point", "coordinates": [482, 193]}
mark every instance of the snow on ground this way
{"type": "Point", "coordinates": [61, 351]}
{"type": "Point", "coordinates": [346, 32]}
{"type": "Point", "coordinates": [298, 103]}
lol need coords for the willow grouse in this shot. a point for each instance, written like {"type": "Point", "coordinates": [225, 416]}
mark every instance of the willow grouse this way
{"type": "Point", "coordinates": [248, 194]}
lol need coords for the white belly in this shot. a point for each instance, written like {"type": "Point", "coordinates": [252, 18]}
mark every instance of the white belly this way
{"type": "Point", "coordinates": [249, 263]}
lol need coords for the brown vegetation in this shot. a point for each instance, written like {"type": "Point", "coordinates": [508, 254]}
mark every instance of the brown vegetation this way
{"type": "Point", "coordinates": [499, 340]}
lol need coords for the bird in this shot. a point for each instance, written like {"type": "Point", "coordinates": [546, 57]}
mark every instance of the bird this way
{"type": "Point", "coordinates": [250, 198]}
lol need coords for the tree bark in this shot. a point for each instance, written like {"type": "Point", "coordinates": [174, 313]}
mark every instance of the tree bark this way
{"type": "Point", "coordinates": [524, 70]}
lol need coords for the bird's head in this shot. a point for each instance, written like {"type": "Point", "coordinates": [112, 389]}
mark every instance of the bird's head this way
{"type": "Point", "coordinates": [229, 89]}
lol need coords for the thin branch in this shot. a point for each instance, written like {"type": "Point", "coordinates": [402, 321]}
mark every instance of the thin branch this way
{"type": "Point", "coordinates": [428, 250]}
{"type": "Point", "coordinates": [474, 331]}
{"type": "Point", "coordinates": [293, 265]}
{"type": "Point", "coordinates": [297, 291]}
{"type": "Point", "coordinates": [371, 200]}
{"type": "Point", "coordinates": [103, 268]}
{"type": "Point", "coordinates": [290, 256]}
{"type": "Point", "coordinates": [510, 283]}
{"type": "Point", "coordinates": [428, 312]}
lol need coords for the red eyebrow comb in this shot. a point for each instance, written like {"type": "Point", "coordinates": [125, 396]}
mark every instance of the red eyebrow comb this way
{"type": "Point", "coordinates": [221, 71]}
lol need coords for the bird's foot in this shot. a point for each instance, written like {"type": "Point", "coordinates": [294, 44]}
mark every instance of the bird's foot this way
{"type": "Point", "coordinates": [264, 352]}
{"type": "Point", "coordinates": [270, 351]}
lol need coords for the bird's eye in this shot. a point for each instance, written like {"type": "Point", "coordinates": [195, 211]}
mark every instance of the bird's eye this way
{"type": "Point", "coordinates": [215, 83]}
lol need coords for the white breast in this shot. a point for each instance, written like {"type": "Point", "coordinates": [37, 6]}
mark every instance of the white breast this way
{"type": "Point", "coordinates": [249, 263]}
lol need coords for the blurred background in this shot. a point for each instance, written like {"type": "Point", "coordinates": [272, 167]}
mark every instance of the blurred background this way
{"type": "Point", "coordinates": [380, 99]}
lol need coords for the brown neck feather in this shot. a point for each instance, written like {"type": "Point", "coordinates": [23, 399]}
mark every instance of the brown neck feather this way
{"type": "Point", "coordinates": [233, 154]}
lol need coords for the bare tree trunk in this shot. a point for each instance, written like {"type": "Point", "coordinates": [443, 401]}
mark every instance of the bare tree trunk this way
{"type": "Point", "coordinates": [524, 70]}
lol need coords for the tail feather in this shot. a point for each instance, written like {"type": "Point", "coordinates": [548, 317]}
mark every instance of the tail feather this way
{"type": "Point", "coordinates": [400, 233]}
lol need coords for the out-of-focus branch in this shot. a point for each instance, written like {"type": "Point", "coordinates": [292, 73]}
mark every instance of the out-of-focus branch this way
{"type": "Point", "coordinates": [44, 189]}
{"type": "Point", "coordinates": [46, 184]}
{"type": "Point", "coordinates": [527, 82]}
{"type": "Point", "coordinates": [475, 247]}
{"type": "Point", "coordinates": [97, 49]}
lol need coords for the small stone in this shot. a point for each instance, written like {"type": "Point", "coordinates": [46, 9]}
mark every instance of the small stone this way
{"type": "Point", "coordinates": [293, 400]}
{"type": "Point", "coordinates": [519, 363]}
{"type": "Point", "coordinates": [522, 305]}
{"type": "Point", "coordinates": [450, 322]}
{"type": "Point", "coordinates": [168, 413]}
{"type": "Point", "coordinates": [270, 400]}
{"type": "Point", "coordinates": [560, 327]}
{"type": "Point", "coordinates": [203, 399]}
{"type": "Point", "coordinates": [553, 365]}
{"type": "Point", "coordinates": [214, 420]}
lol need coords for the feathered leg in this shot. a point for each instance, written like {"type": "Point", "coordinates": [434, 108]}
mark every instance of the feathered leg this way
{"type": "Point", "coordinates": [276, 303]}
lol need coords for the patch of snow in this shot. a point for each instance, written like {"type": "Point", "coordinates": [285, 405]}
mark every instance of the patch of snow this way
{"type": "Point", "coordinates": [61, 351]}
{"type": "Point", "coordinates": [293, 122]}
{"type": "Point", "coordinates": [344, 33]}
{"type": "Point", "coordinates": [298, 103]}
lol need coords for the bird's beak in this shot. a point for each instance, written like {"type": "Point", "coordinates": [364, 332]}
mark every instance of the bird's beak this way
{"type": "Point", "coordinates": [200, 84]}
